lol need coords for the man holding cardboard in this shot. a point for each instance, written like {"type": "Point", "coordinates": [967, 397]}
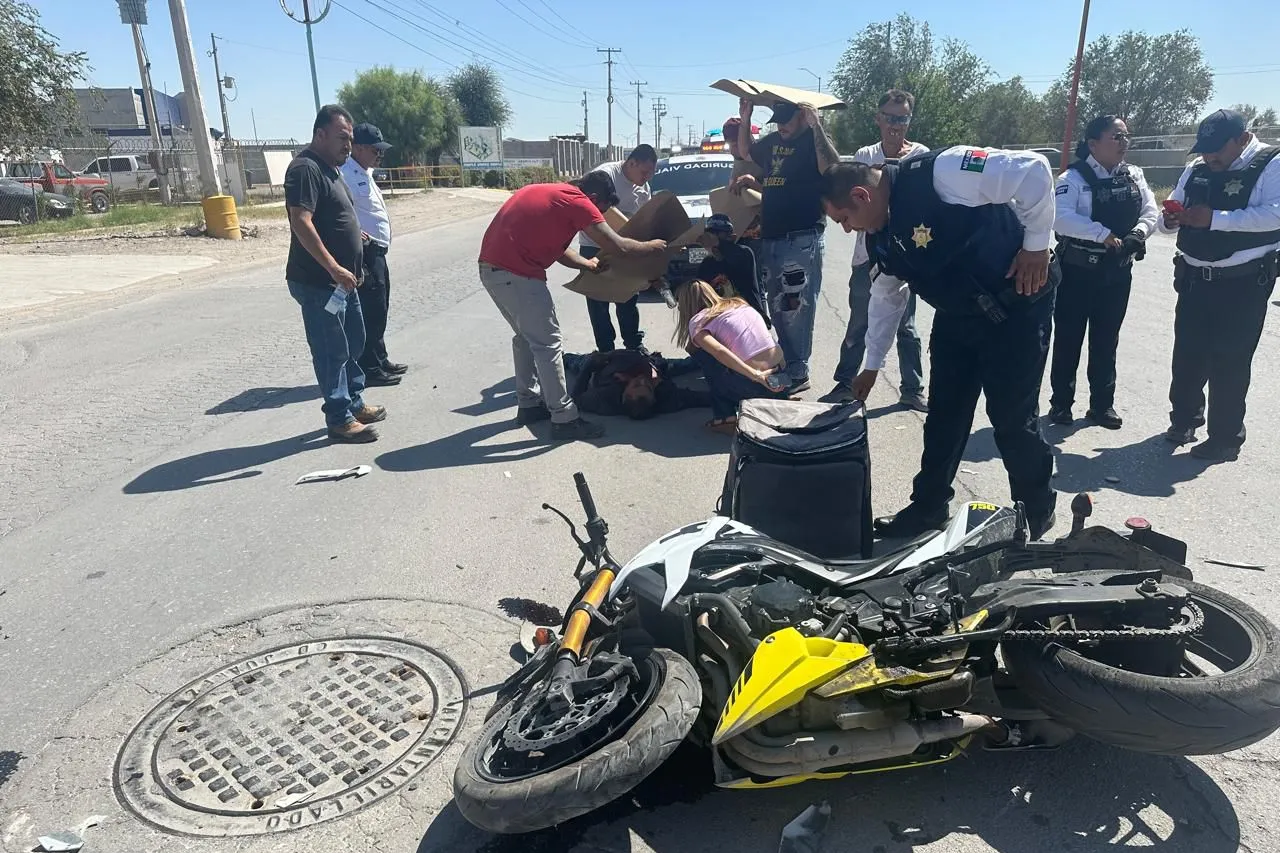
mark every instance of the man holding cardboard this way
{"type": "Point", "coordinates": [791, 222]}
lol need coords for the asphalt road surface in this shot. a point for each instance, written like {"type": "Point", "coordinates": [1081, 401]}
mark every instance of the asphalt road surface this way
{"type": "Point", "coordinates": [151, 532]}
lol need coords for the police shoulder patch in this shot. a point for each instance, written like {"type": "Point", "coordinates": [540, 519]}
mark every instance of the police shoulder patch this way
{"type": "Point", "coordinates": [973, 161]}
{"type": "Point", "coordinates": [1061, 190]}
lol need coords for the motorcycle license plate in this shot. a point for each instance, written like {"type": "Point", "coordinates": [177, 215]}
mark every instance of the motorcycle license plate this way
{"type": "Point", "coordinates": [697, 256]}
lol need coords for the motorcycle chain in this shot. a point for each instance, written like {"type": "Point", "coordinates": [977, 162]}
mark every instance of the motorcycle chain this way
{"type": "Point", "coordinates": [1191, 626]}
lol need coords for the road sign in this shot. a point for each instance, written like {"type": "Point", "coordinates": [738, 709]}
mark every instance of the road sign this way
{"type": "Point", "coordinates": [480, 147]}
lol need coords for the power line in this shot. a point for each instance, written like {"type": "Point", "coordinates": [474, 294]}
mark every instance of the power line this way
{"type": "Point", "coordinates": [558, 35]}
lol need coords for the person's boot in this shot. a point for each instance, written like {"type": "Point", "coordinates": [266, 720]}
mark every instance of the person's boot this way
{"type": "Point", "coordinates": [526, 415]}
{"type": "Point", "coordinates": [1038, 524]}
{"type": "Point", "coordinates": [1105, 417]}
{"type": "Point", "coordinates": [1215, 451]}
{"type": "Point", "coordinates": [380, 379]}
{"type": "Point", "coordinates": [842, 393]}
{"type": "Point", "coordinates": [578, 430]}
{"type": "Point", "coordinates": [1061, 415]}
{"type": "Point", "coordinates": [370, 414]}
{"type": "Point", "coordinates": [395, 369]}
{"type": "Point", "coordinates": [1180, 435]}
{"type": "Point", "coordinates": [353, 432]}
{"type": "Point", "coordinates": [911, 521]}
{"type": "Point", "coordinates": [914, 400]}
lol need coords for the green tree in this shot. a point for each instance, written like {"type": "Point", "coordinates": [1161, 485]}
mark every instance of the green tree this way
{"type": "Point", "coordinates": [478, 90]}
{"type": "Point", "coordinates": [36, 77]}
{"type": "Point", "coordinates": [1008, 113]}
{"type": "Point", "coordinates": [1256, 117]}
{"type": "Point", "coordinates": [1156, 83]}
{"type": "Point", "coordinates": [903, 54]}
{"type": "Point", "coordinates": [416, 114]}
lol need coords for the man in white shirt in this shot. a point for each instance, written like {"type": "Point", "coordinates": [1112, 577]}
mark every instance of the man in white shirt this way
{"type": "Point", "coordinates": [1225, 271]}
{"type": "Point", "coordinates": [367, 148]}
{"type": "Point", "coordinates": [968, 230]}
{"type": "Point", "coordinates": [631, 183]}
{"type": "Point", "coordinates": [893, 119]}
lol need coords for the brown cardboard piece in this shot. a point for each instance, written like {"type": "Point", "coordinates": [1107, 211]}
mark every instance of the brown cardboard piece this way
{"type": "Point", "coordinates": [742, 210]}
{"type": "Point", "coordinates": [660, 218]}
{"type": "Point", "coordinates": [766, 94]}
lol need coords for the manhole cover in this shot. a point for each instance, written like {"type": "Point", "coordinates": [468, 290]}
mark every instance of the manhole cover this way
{"type": "Point", "coordinates": [292, 737]}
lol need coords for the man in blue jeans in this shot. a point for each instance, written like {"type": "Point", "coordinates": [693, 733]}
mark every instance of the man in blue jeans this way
{"type": "Point", "coordinates": [325, 258]}
{"type": "Point", "coordinates": [791, 223]}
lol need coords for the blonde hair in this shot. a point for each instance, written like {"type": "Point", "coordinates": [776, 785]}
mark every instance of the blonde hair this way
{"type": "Point", "coordinates": [694, 298]}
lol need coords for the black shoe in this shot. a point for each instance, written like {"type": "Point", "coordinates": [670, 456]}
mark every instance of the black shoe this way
{"type": "Point", "coordinates": [1180, 435]}
{"type": "Point", "coordinates": [797, 387]}
{"type": "Point", "coordinates": [1061, 416]}
{"type": "Point", "coordinates": [910, 521]}
{"type": "Point", "coordinates": [1105, 418]}
{"type": "Point", "coordinates": [378, 379]}
{"type": "Point", "coordinates": [576, 431]}
{"type": "Point", "coordinates": [1038, 527]}
{"type": "Point", "coordinates": [642, 349]}
{"type": "Point", "coordinates": [526, 415]}
{"type": "Point", "coordinates": [1215, 451]}
{"type": "Point", "coordinates": [395, 369]}
{"type": "Point", "coordinates": [842, 393]}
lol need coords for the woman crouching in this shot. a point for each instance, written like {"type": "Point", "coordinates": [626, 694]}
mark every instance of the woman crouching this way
{"type": "Point", "coordinates": [730, 342]}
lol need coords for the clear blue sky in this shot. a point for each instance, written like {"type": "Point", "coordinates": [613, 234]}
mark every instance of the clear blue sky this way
{"type": "Point", "coordinates": [678, 49]}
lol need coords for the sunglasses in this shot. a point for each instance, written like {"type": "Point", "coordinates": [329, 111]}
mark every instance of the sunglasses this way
{"type": "Point", "coordinates": [893, 119]}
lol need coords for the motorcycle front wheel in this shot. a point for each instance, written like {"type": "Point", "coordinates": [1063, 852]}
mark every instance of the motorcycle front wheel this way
{"type": "Point", "coordinates": [1218, 691]}
{"type": "Point", "coordinates": [507, 790]}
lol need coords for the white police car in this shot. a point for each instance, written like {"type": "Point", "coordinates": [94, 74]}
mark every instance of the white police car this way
{"type": "Point", "coordinates": [691, 177]}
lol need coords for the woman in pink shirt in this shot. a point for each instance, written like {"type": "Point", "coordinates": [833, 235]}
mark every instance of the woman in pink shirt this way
{"type": "Point", "coordinates": [730, 342]}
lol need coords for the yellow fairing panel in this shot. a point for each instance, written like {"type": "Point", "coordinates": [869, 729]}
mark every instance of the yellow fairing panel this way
{"type": "Point", "coordinates": [785, 667]}
{"type": "Point", "coordinates": [747, 783]}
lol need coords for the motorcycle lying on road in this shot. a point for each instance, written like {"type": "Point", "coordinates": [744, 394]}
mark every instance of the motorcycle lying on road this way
{"type": "Point", "coordinates": [789, 668]}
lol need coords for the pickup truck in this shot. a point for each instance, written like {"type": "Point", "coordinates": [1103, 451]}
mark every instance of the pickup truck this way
{"type": "Point", "coordinates": [57, 178]}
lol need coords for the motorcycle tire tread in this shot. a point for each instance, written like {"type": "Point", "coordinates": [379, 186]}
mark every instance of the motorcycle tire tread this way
{"type": "Point", "coordinates": [550, 799]}
{"type": "Point", "coordinates": [1159, 716]}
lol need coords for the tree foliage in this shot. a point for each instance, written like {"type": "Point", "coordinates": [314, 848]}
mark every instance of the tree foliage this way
{"type": "Point", "coordinates": [36, 78]}
{"type": "Point", "coordinates": [1256, 117]}
{"type": "Point", "coordinates": [1129, 75]}
{"type": "Point", "coordinates": [416, 114]}
{"type": "Point", "coordinates": [478, 90]}
{"type": "Point", "coordinates": [903, 54]}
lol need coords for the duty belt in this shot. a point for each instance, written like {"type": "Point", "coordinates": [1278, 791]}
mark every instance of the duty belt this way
{"type": "Point", "coordinates": [1263, 270]}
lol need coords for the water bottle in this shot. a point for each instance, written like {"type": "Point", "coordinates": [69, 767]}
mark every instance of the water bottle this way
{"type": "Point", "coordinates": [337, 300]}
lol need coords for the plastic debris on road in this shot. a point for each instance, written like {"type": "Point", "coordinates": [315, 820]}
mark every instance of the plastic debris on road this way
{"type": "Point", "coordinates": [60, 842]}
{"type": "Point", "coordinates": [805, 833]}
{"type": "Point", "coordinates": [334, 474]}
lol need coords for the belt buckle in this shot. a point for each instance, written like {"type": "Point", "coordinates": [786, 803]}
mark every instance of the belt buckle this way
{"type": "Point", "coordinates": [1206, 273]}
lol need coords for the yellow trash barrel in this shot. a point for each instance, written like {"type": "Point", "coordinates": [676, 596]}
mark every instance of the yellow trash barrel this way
{"type": "Point", "coordinates": [220, 217]}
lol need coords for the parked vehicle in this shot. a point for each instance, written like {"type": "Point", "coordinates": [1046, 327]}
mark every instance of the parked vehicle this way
{"type": "Point", "coordinates": [57, 178]}
{"type": "Point", "coordinates": [787, 668]}
{"type": "Point", "coordinates": [27, 203]}
{"type": "Point", "coordinates": [125, 172]}
{"type": "Point", "coordinates": [691, 177]}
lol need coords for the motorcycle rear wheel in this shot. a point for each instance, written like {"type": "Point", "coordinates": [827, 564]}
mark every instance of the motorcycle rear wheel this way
{"type": "Point", "coordinates": [1191, 713]}
{"type": "Point", "coordinates": [618, 764]}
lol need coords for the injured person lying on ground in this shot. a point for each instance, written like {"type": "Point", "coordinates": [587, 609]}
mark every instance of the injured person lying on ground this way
{"type": "Point", "coordinates": [631, 383]}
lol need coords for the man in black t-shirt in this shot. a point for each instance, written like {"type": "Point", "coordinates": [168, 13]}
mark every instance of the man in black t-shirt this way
{"type": "Point", "coordinates": [325, 259]}
{"type": "Point", "coordinates": [791, 223]}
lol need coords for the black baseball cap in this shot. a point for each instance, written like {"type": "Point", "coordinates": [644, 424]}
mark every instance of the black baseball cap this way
{"type": "Point", "coordinates": [783, 112]}
{"type": "Point", "coordinates": [719, 223]}
{"type": "Point", "coordinates": [368, 134]}
{"type": "Point", "coordinates": [1217, 130]}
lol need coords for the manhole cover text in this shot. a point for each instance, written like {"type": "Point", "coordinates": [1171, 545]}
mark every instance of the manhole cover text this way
{"type": "Point", "coordinates": [292, 737]}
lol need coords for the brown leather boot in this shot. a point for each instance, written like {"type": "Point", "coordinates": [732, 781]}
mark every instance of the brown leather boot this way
{"type": "Point", "coordinates": [371, 414]}
{"type": "Point", "coordinates": [353, 432]}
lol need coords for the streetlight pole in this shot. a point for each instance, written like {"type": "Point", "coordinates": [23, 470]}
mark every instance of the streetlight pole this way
{"type": "Point", "coordinates": [815, 75]}
{"type": "Point", "coordinates": [209, 185]}
{"type": "Point", "coordinates": [1075, 89]}
{"type": "Point", "coordinates": [134, 14]}
{"type": "Point", "coordinates": [307, 21]}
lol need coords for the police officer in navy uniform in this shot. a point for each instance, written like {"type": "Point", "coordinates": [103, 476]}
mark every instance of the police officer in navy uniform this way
{"type": "Point", "coordinates": [968, 231]}
{"type": "Point", "coordinates": [1224, 272]}
{"type": "Point", "coordinates": [1105, 212]}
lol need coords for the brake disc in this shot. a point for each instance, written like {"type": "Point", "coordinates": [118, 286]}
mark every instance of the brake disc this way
{"type": "Point", "coordinates": [536, 726]}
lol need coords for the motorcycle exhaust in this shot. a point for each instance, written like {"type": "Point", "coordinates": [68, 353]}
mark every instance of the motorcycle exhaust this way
{"type": "Point", "coordinates": [813, 752]}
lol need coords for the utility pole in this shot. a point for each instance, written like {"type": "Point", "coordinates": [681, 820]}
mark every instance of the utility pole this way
{"type": "Point", "coordinates": [638, 84]}
{"type": "Point", "coordinates": [1075, 88]}
{"type": "Point", "coordinates": [609, 52]}
{"type": "Point", "coordinates": [222, 94]}
{"type": "Point", "coordinates": [677, 136]}
{"type": "Point", "coordinates": [209, 184]}
{"type": "Point", "coordinates": [585, 134]}
{"type": "Point", "coordinates": [307, 20]}
{"type": "Point", "coordinates": [659, 110]}
{"type": "Point", "coordinates": [135, 15]}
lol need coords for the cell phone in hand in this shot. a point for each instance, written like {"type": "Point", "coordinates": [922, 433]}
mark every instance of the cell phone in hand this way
{"type": "Point", "coordinates": [776, 382]}
{"type": "Point", "coordinates": [1172, 205]}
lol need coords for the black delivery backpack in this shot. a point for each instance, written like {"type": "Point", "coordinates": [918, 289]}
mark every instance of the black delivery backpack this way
{"type": "Point", "coordinates": [800, 472]}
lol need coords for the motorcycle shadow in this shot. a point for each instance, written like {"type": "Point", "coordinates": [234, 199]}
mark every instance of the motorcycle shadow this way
{"type": "Point", "coordinates": [1082, 798]}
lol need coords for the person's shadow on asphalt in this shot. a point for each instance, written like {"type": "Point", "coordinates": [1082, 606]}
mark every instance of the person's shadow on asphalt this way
{"type": "Point", "coordinates": [500, 395]}
{"type": "Point", "coordinates": [1083, 797]}
{"type": "Point", "coordinates": [221, 466]}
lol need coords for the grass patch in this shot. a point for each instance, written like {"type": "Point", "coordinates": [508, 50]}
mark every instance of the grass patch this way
{"type": "Point", "coordinates": [1161, 193]}
{"type": "Point", "coordinates": [122, 215]}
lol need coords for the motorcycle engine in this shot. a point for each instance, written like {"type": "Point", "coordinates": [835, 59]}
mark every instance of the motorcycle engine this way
{"type": "Point", "coordinates": [781, 604]}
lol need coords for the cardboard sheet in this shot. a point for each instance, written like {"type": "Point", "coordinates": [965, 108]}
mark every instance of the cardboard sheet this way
{"type": "Point", "coordinates": [743, 210]}
{"type": "Point", "coordinates": [660, 218]}
{"type": "Point", "coordinates": [765, 94]}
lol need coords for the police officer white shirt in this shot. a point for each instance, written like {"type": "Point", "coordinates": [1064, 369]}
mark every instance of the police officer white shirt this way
{"type": "Point", "coordinates": [1074, 204]}
{"type": "Point", "coordinates": [630, 197]}
{"type": "Point", "coordinates": [371, 210]}
{"type": "Point", "coordinates": [873, 155]}
{"type": "Point", "coordinates": [1262, 214]}
{"type": "Point", "coordinates": [1021, 179]}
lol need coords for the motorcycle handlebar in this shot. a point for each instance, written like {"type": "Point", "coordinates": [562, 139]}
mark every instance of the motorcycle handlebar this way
{"type": "Point", "coordinates": [584, 495]}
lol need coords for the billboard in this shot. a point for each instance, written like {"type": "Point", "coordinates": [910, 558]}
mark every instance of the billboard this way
{"type": "Point", "coordinates": [480, 147]}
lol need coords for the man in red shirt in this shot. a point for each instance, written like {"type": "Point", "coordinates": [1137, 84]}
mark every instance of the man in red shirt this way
{"type": "Point", "coordinates": [532, 231]}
